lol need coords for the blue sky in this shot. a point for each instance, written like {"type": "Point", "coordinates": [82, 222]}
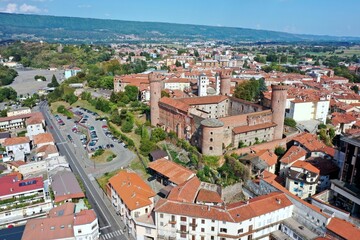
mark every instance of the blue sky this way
{"type": "Point", "coordinates": [321, 17]}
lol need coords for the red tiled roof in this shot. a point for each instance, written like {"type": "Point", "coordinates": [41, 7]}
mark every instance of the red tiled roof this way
{"type": "Point", "coordinates": [175, 103]}
{"type": "Point", "coordinates": [43, 138]}
{"type": "Point", "coordinates": [16, 141]}
{"type": "Point", "coordinates": [36, 118]}
{"type": "Point", "coordinates": [84, 217]}
{"type": "Point", "coordinates": [9, 185]}
{"type": "Point", "coordinates": [293, 154]}
{"type": "Point", "coordinates": [343, 229]}
{"type": "Point", "coordinates": [306, 165]}
{"type": "Point", "coordinates": [313, 144]}
{"type": "Point", "coordinates": [203, 100]}
{"type": "Point", "coordinates": [185, 192]}
{"type": "Point", "coordinates": [207, 196]}
{"type": "Point", "coordinates": [176, 173]}
{"type": "Point", "coordinates": [132, 189]}
{"type": "Point", "coordinates": [243, 129]}
{"type": "Point", "coordinates": [268, 156]}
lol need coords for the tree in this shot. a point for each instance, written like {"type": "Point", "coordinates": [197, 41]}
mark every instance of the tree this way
{"type": "Point", "coordinates": [355, 88]}
{"type": "Point", "coordinates": [54, 83]}
{"type": "Point", "coordinates": [164, 94]}
{"type": "Point", "coordinates": [157, 135]}
{"type": "Point", "coordinates": [7, 75]}
{"type": "Point", "coordinates": [70, 98]}
{"type": "Point", "coordinates": [248, 90]}
{"type": "Point", "coordinates": [7, 93]}
{"type": "Point", "coordinates": [178, 64]}
{"type": "Point", "coordinates": [290, 122]}
{"type": "Point", "coordinates": [196, 53]}
{"type": "Point", "coordinates": [132, 92]}
{"type": "Point", "coordinates": [37, 77]}
{"type": "Point", "coordinates": [279, 151]}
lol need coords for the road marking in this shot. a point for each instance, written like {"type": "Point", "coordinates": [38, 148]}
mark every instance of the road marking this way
{"type": "Point", "coordinates": [105, 236]}
{"type": "Point", "coordinates": [105, 227]}
{"type": "Point", "coordinates": [121, 231]}
{"type": "Point", "coordinates": [111, 234]}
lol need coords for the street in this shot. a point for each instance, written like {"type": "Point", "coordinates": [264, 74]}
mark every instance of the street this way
{"type": "Point", "coordinates": [110, 225]}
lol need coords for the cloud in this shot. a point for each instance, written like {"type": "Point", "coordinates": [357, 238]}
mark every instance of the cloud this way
{"type": "Point", "coordinates": [10, 8]}
{"type": "Point", "coordinates": [84, 6]}
{"type": "Point", "coordinates": [24, 8]}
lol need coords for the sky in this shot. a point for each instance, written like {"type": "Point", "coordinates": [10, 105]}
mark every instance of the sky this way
{"type": "Point", "coordinates": [320, 17]}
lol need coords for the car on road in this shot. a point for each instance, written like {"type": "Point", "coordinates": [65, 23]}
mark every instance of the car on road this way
{"type": "Point", "coordinates": [69, 137]}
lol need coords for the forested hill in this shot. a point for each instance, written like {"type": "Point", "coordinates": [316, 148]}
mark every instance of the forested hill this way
{"type": "Point", "coordinates": [86, 30]}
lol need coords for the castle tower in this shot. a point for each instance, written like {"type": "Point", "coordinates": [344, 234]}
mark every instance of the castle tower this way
{"type": "Point", "coordinates": [225, 82]}
{"type": "Point", "coordinates": [212, 131]}
{"type": "Point", "coordinates": [203, 83]}
{"type": "Point", "coordinates": [155, 95]}
{"type": "Point", "coordinates": [278, 104]}
{"type": "Point", "coordinates": [217, 84]}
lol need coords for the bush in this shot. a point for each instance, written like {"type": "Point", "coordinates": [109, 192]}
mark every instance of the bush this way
{"type": "Point", "coordinates": [98, 152]}
{"type": "Point", "coordinates": [279, 151]}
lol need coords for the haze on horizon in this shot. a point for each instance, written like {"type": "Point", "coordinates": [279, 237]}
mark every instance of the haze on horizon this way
{"type": "Point", "coordinates": [320, 17]}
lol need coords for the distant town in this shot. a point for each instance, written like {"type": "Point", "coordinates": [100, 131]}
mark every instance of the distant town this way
{"type": "Point", "coordinates": [200, 140]}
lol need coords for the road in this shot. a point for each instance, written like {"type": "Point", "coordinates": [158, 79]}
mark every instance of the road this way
{"type": "Point", "coordinates": [111, 227]}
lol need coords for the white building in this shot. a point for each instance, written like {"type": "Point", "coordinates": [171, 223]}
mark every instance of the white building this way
{"type": "Point", "coordinates": [254, 219]}
{"type": "Point", "coordinates": [18, 111]}
{"type": "Point", "coordinates": [203, 83]}
{"type": "Point", "coordinates": [303, 109]}
{"type": "Point", "coordinates": [35, 125]}
{"type": "Point", "coordinates": [302, 179]}
{"type": "Point", "coordinates": [177, 84]}
{"type": "Point", "coordinates": [17, 147]}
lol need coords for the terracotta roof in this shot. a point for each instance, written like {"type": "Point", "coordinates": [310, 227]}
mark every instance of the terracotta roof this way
{"type": "Point", "coordinates": [65, 209]}
{"type": "Point", "coordinates": [84, 217]}
{"type": "Point", "coordinates": [203, 100]}
{"type": "Point", "coordinates": [186, 191]}
{"type": "Point", "coordinates": [134, 192]}
{"type": "Point", "coordinates": [17, 163]}
{"type": "Point", "coordinates": [293, 154]}
{"type": "Point", "coordinates": [306, 165]}
{"type": "Point", "coordinates": [10, 185]}
{"type": "Point", "coordinates": [47, 149]}
{"type": "Point", "coordinates": [177, 80]}
{"type": "Point", "coordinates": [268, 156]}
{"type": "Point", "coordinates": [207, 196]}
{"type": "Point", "coordinates": [175, 103]}
{"type": "Point", "coordinates": [176, 173]}
{"type": "Point", "coordinates": [43, 138]}
{"type": "Point", "coordinates": [313, 144]}
{"type": "Point", "coordinates": [236, 212]}
{"type": "Point", "coordinates": [243, 129]}
{"type": "Point", "coordinates": [16, 141]}
{"type": "Point", "coordinates": [22, 116]}
{"type": "Point", "coordinates": [343, 229]}
{"type": "Point", "coordinates": [49, 228]}
{"type": "Point", "coordinates": [36, 118]}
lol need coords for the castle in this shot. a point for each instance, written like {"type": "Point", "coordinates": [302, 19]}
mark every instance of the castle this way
{"type": "Point", "coordinates": [213, 123]}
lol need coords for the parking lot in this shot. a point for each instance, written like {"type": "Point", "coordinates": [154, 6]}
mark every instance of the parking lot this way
{"type": "Point", "coordinates": [88, 133]}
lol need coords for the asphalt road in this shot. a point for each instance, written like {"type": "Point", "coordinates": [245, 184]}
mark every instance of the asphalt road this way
{"type": "Point", "coordinates": [111, 227]}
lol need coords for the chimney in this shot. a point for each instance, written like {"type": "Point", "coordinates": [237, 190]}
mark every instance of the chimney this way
{"type": "Point", "coordinates": [278, 200]}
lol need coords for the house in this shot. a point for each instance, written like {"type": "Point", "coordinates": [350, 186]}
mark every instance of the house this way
{"type": "Point", "coordinates": [17, 147]}
{"type": "Point", "coordinates": [260, 161]}
{"type": "Point", "coordinates": [70, 72]}
{"type": "Point", "coordinates": [168, 172]}
{"type": "Point", "coordinates": [293, 154]}
{"type": "Point", "coordinates": [341, 229]}
{"type": "Point", "coordinates": [328, 171]}
{"type": "Point", "coordinates": [63, 223]}
{"type": "Point", "coordinates": [35, 125]}
{"type": "Point", "coordinates": [46, 151]}
{"type": "Point", "coordinates": [3, 136]}
{"type": "Point", "coordinates": [131, 197]}
{"type": "Point", "coordinates": [43, 139]}
{"type": "Point", "coordinates": [313, 146]}
{"type": "Point", "coordinates": [65, 187]}
{"type": "Point", "coordinates": [14, 191]}
{"type": "Point", "coordinates": [253, 219]}
{"type": "Point", "coordinates": [302, 179]}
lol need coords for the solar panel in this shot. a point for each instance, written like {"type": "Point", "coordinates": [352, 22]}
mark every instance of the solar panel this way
{"type": "Point", "coordinates": [31, 182]}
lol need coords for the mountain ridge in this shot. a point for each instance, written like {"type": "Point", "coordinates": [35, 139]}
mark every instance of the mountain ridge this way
{"type": "Point", "coordinates": [85, 30]}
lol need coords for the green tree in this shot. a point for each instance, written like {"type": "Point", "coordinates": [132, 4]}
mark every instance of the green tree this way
{"type": "Point", "coordinates": [178, 64]}
{"type": "Point", "coordinates": [132, 92]}
{"type": "Point", "coordinates": [7, 93]}
{"type": "Point", "coordinates": [70, 98]}
{"type": "Point", "coordinates": [164, 94]}
{"type": "Point", "coordinates": [157, 135]}
{"type": "Point", "coordinates": [54, 83]}
{"type": "Point", "coordinates": [355, 88]}
{"type": "Point", "coordinates": [7, 75]}
{"type": "Point", "coordinates": [42, 78]}
{"type": "Point", "coordinates": [279, 151]}
{"type": "Point", "coordinates": [290, 122]}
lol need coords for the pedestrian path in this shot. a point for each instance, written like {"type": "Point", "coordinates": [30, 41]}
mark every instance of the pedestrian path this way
{"type": "Point", "coordinates": [113, 235]}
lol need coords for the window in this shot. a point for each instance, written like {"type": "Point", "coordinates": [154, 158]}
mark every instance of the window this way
{"type": "Point", "coordinates": [210, 148]}
{"type": "Point", "coordinates": [202, 221]}
{"type": "Point", "coordinates": [79, 230]}
{"type": "Point", "coordinates": [212, 229]}
{"type": "Point", "coordinates": [161, 224]}
{"type": "Point", "coordinates": [161, 215]}
{"type": "Point", "coordinates": [211, 133]}
{"type": "Point", "coordinates": [202, 229]}
{"type": "Point", "coordinates": [148, 230]}
{"type": "Point", "coordinates": [223, 230]}
{"type": "Point", "coordinates": [183, 219]}
{"type": "Point", "coordinates": [211, 139]}
{"type": "Point", "coordinates": [240, 230]}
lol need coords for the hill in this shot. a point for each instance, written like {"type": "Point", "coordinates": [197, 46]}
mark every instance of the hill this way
{"type": "Point", "coordinates": [86, 30]}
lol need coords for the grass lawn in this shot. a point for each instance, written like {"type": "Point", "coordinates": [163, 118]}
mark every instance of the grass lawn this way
{"type": "Point", "coordinates": [104, 179]}
{"type": "Point", "coordinates": [55, 105]}
{"type": "Point", "coordinates": [103, 158]}
{"type": "Point", "coordinates": [136, 138]}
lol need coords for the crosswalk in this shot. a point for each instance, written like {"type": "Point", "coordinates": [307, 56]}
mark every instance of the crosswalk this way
{"type": "Point", "coordinates": [112, 235]}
